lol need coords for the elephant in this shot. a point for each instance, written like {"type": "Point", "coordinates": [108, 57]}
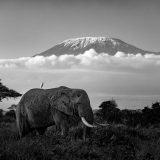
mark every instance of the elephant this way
{"type": "Point", "coordinates": [61, 106]}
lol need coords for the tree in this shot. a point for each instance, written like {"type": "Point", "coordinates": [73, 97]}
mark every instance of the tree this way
{"type": "Point", "coordinates": [156, 106]}
{"type": "Point", "coordinates": [156, 112]}
{"type": "Point", "coordinates": [109, 111]}
{"type": "Point", "coordinates": [151, 115]}
{"type": "Point", "coordinates": [5, 92]}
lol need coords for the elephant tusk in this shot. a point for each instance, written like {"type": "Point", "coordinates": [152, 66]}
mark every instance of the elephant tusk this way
{"type": "Point", "coordinates": [103, 125]}
{"type": "Point", "coordinates": [86, 123]}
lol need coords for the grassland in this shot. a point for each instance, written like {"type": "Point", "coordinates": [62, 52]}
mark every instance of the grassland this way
{"type": "Point", "coordinates": [116, 142]}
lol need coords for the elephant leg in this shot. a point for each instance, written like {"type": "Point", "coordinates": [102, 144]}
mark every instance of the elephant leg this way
{"type": "Point", "coordinates": [41, 131]}
{"type": "Point", "coordinates": [25, 129]}
{"type": "Point", "coordinates": [86, 132]}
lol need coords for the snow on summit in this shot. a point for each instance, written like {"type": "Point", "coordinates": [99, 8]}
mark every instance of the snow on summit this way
{"type": "Point", "coordinates": [85, 41]}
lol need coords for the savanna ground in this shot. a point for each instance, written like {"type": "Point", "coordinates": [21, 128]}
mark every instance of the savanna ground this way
{"type": "Point", "coordinates": [115, 142]}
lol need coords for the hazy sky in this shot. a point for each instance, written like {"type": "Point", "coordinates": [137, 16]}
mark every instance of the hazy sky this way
{"type": "Point", "coordinates": [28, 27]}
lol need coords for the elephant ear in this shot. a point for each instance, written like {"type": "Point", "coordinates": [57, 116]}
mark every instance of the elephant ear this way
{"type": "Point", "coordinates": [61, 101]}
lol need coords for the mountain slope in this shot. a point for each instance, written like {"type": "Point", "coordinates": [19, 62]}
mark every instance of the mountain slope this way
{"type": "Point", "coordinates": [99, 44]}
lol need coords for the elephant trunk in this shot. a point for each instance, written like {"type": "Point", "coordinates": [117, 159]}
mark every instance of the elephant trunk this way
{"type": "Point", "coordinates": [86, 114]}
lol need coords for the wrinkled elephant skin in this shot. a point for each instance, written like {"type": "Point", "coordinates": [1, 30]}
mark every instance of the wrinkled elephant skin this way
{"type": "Point", "coordinates": [62, 106]}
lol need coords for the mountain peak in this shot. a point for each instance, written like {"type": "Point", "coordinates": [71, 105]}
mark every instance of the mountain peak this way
{"type": "Point", "coordinates": [77, 46]}
{"type": "Point", "coordinates": [85, 41]}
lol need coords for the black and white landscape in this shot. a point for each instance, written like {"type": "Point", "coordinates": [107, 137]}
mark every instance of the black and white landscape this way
{"type": "Point", "coordinates": [107, 48]}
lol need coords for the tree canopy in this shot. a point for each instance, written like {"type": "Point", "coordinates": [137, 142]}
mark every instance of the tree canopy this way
{"type": "Point", "coordinates": [5, 92]}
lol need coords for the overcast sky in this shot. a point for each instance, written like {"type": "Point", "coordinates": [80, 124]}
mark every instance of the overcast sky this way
{"type": "Point", "coordinates": [28, 27]}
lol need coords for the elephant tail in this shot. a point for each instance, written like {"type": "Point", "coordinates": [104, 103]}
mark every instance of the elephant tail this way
{"type": "Point", "coordinates": [22, 121]}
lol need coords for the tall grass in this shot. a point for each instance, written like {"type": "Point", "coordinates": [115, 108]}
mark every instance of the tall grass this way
{"type": "Point", "coordinates": [113, 143]}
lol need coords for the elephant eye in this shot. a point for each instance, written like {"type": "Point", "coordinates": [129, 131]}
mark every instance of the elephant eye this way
{"type": "Point", "coordinates": [64, 102]}
{"type": "Point", "coordinates": [78, 95]}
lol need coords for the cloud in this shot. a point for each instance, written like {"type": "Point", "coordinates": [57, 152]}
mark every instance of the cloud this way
{"type": "Point", "coordinates": [89, 60]}
{"type": "Point", "coordinates": [101, 75]}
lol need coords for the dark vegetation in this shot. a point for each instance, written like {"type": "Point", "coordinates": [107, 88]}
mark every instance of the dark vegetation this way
{"type": "Point", "coordinates": [5, 92]}
{"type": "Point", "coordinates": [148, 116]}
{"type": "Point", "coordinates": [131, 135]}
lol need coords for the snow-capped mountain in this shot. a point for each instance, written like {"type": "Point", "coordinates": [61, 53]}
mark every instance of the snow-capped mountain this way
{"type": "Point", "coordinates": [99, 44]}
